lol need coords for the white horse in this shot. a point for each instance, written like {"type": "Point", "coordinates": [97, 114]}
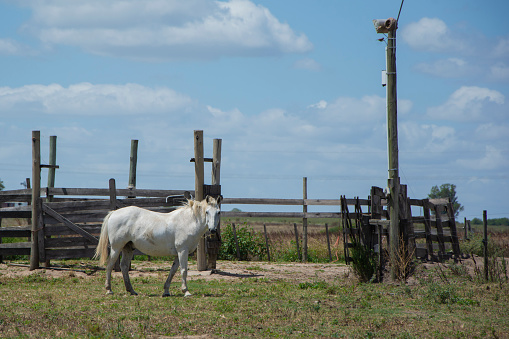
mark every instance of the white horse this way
{"type": "Point", "coordinates": [156, 234]}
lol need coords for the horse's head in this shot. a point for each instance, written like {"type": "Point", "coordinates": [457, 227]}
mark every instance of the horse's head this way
{"type": "Point", "coordinates": [212, 213]}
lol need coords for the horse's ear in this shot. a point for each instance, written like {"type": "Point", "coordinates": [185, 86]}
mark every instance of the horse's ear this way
{"type": "Point", "coordinates": [219, 198]}
{"type": "Point", "coordinates": [208, 199]}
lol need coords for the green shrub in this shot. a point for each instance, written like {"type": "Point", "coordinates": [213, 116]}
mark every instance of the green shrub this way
{"type": "Point", "coordinates": [251, 243]}
{"type": "Point", "coordinates": [364, 263]}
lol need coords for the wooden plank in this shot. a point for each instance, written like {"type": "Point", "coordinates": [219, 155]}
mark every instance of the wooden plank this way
{"type": "Point", "coordinates": [15, 232]}
{"type": "Point", "coordinates": [66, 242]}
{"type": "Point", "coordinates": [427, 229]}
{"type": "Point", "coordinates": [77, 218]}
{"type": "Point", "coordinates": [70, 253]}
{"type": "Point", "coordinates": [64, 230]}
{"type": "Point", "coordinates": [15, 248]}
{"type": "Point", "coordinates": [69, 224]}
{"type": "Point", "coordinates": [105, 192]}
{"type": "Point", "coordinates": [15, 198]}
{"type": "Point", "coordinates": [440, 232]}
{"type": "Point", "coordinates": [82, 205]}
{"type": "Point", "coordinates": [454, 233]}
{"type": "Point", "coordinates": [379, 222]}
{"type": "Point", "coordinates": [417, 202]}
{"type": "Point", "coordinates": [258, 201]}
{"type": "Point", "coordinates": [300, 215]}
{"type": "Point", "coordinates": [23, 212]}
{"type": "Point", "coordinates": [439, 201]}
{"type": "Point", "coordinates": [289, 202]}
{"type": "Point", "coordinates": [24, 191]}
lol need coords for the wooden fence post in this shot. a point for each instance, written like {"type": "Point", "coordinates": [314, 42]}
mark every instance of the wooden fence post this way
{"type": "Point", "coordinates": [51, 182]}
{"type": "Point", "coordinates": [213, 240]}
{"type": "Point", "coordinates": [297, 240]}
{"type": "Point", "coordinates": [36, 192]}
{"type": "Point", "coordinates": [201, 251]}
{"type": "Point", "coordinates": [236, 240]}
{"type": "Point", "coordinates": [133, 160]}
{"type": "Point", "coordinates": [328, 242]}
{"type": "Point", "coordinates": [304, 220]}
{"type": "Point", "coordinates": [266, 241]}
{"type": "Point", "coordinates": [485, 243]}
{"type": "Point", "coordinates": [427, 228]}
{"type": "Point", "coordinates": [113, 206]}
{"type": "Point", "coordinates": [52, 164]}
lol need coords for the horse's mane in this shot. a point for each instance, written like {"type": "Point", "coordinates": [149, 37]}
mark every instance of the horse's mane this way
{"type": "Point", "coordinates": [198, 207]}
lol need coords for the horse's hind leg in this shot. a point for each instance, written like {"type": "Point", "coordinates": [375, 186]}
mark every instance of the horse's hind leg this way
{"type": "Point", "coordinates": [127, 255]}
{"type": "Point", "coordinates": [114, 254]}
{"type": "Point", "coordinates": [173, 270]}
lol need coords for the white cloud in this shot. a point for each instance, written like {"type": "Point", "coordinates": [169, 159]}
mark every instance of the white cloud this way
{"type": "Point", "coordinates": [502, 48]}
{"type": "Point", "coordinates": [322, 104]}
{"type": "Point", "coordinates": [491, 131]}
{"type": "Point", "coordinates": [499, 71]}
{"type": "Point", "coordinates": [466, 103]}
{"type": "Point", "coordinates": [446, 68]}
{"type": "Point", "coordinates": [431, 35]}
{"type": "Point", "coordinates": [90, 99]}
{"type": "Point", "coordinates": [11, 47]}
{"type": "Point", "coordinates": [492, 159]}
{"type": "Point", "coordinates": [354, 110]}
{"type": "Point", "coordinates": [307, 64]}
{"type": "Point", "coordinates": [163, 30]}
{"type": "Point", "coordinates": [427, 138]}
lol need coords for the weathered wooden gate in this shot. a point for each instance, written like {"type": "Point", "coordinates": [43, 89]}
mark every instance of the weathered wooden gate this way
{"type": "Point", "coordinates": [437, 226]}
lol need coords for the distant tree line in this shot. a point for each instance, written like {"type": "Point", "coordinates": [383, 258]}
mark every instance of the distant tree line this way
{"type": "Point", "coordinates": [492, 222]}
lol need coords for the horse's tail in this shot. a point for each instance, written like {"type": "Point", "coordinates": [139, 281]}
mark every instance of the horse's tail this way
{"type": "Point", "coordinates": [101, 250]}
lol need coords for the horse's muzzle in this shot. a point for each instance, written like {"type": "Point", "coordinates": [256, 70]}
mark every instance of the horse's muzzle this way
{"type": "Point", "coordinates": [213, 231]}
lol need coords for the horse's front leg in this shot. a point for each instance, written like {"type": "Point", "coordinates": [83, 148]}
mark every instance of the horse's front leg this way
{"type": "Point", "coordinates": [173, 270]}
{"type": "Point", "coordinates": [183, 255]}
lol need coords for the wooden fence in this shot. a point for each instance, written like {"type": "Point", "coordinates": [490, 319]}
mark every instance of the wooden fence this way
{"type": "Point", "coordinates": [432, 236]}
{"type": "Point", "coordinates": [70, 224]}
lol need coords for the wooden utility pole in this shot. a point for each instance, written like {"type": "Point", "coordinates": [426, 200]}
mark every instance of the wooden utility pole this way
{"type": "Point", "coordinates": [390, 26]}
{"type": "Point", "coordinates": [201, 251]}
{"type": "Point", "coordinates": [392, 139]}
{"type": "Point", "coordinates": [36, 192]}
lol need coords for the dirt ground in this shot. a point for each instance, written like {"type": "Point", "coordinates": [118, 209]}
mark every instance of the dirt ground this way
{"type": "Point", "coordinates": [225, 270]}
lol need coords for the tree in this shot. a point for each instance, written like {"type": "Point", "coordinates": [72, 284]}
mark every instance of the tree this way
{"type": "Point", "coordinates": [447, 191]}
{"type": "Point", "coordinates": [1, 185]}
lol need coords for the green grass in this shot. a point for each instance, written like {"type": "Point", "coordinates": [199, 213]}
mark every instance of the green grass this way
{"type": "Point", "coordinates": [71, 306]}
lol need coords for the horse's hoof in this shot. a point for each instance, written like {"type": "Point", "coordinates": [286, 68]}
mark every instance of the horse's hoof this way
{"type": "Point", "coordinates": [187, 294]}
{"type": "Point", "coordinates": [133, 293]}
{"type": "Point", "coordinates": [166, 295]}
{"type": "Point", "coordinates": [109, 292]}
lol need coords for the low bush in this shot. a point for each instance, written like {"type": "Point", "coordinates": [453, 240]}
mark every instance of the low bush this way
{"type": "Point", "coordinates": [251, 243]}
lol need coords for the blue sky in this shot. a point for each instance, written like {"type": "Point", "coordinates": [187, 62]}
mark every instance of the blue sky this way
{"type": "Point", "coordinates": [292, 87]}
